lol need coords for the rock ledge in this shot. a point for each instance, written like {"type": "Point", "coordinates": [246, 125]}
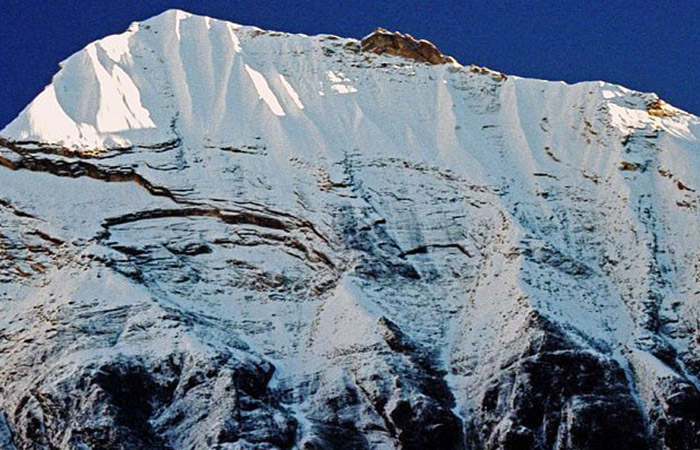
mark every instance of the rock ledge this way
{"type": "Point", "coordinates": [382, 41]}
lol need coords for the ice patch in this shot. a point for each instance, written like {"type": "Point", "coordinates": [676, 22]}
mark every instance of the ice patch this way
{"type": "Point", "coordinates": [341, 82]}
{"type": "Point", "coordinates": [336, 77]}
{"type": "Point", "coordinates": [116, 46]}
{"type": "Point", "coordinates": [292, 93]}
{"type": "Point", "coordinates": [626, 118]}
{"type": "Point", "coordinates": [343, 89]}
{"type": "Point", "coordinates": [48, 119]}
{"type": "Point", "coordinates": [179, 17]}
{"type": "Point", "coordinates": [264, 91]}
{"type": "Point", "coordinates": [119, 101]}
{"type": "Point", "coordinates": [234, 38]}
{"type": "Point", "coordinates": [132, 98]}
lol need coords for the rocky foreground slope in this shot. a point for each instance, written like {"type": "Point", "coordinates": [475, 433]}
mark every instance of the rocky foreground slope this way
{"type": "Point", "coordinates": [215, 236]}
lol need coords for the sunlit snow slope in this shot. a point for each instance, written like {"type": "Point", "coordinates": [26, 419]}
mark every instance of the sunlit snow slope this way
{"type": "Point", "coordinates": [215, 236]}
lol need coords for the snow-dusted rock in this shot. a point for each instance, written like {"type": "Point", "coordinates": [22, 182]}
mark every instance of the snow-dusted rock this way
{"type": "Point", "coordinates": [215, 236]}
{"type": "Point", "coordinates": [383, 42]}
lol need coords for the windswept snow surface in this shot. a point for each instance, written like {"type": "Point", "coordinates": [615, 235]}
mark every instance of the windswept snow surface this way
{"type": "Point", "coordinates": [439, 256]}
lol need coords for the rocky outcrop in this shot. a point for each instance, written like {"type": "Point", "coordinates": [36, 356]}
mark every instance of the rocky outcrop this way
{"type": "Point", "coordinates": [558, 395]}
{"type": "Point", "coordinates": [130, 404]}
{"type": "Point", "coordinates": [658, 108]}
{"type": "Point", "coordinates": [408, 402]}
{"type": "Point", "coordinates": [382, 42]}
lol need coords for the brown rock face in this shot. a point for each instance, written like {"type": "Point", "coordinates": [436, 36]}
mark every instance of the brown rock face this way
{"type": "Point", "coordinates": [658, 108]}
{"type": "Point", "coordinates": [385, 42]}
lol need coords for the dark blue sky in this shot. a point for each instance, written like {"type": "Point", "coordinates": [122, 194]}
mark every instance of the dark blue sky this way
{"type": "Point", "coordinates": [644, 45]}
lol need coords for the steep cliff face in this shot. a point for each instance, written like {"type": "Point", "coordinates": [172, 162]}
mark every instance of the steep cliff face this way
{"type": "Point", "coordinates": [215, 236]}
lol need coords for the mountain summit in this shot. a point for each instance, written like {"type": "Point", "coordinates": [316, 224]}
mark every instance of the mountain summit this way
{"type": "Point", "coordinates": [215, 236]}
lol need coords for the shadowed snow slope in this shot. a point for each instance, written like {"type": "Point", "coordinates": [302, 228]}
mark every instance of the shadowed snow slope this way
{"type": "Point", "coordinates": [215, 236]}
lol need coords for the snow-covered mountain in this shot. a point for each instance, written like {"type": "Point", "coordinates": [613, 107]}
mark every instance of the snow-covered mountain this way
{"type": "Point", "coordinates": [215, 236]}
